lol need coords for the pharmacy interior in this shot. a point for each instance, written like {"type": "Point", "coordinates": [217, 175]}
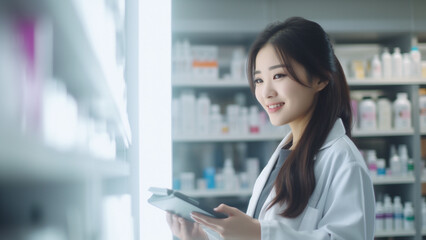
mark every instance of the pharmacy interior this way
{"type": "Point", "coordinates": [222, 138]}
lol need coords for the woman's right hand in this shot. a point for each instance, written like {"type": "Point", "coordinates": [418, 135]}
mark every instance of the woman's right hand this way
{"type": "Point", "coordinates": [184, 229]}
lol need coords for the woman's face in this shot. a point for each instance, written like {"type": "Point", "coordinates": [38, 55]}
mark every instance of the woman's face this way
{"type": "Point", "coordinates": [284, 99]}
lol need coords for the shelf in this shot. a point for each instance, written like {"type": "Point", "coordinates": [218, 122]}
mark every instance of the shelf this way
{"type": "Point", "coordinates": [218, 193]}
{"type": "Point", "coordinates": [401, 233]}
{"type": "Point", "coordinates": [86, 72]}
{"type": "Point", "coordinates": [393, 180]}
{"type": "Point", "coordinates": [26, 158]}
{"type": "Point", "coordinates": [277, 136]}
{"type": "Point", "coordinates": [215, 83]}
{"type": "Point", "coordinates": [385, 82]}
{"type": "Point", "coordinates": [381, 133]}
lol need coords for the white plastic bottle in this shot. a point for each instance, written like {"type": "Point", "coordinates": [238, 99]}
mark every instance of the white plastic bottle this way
{"type": "Point", "coordinates": [232, 114]}
{"type": "Point", "coordinates": [229, 176]}
{"type": "Point", "coordinates": [395, 163]}
{"type": "Point", "coordinates": [422, 106]}
{"type": "Point", "coordinates": [380, 216]}
{"type": "Point", "coordinates": [398, 213]}
{"type": "Point", "coordinates": [403, 156]}
{"type": "Point", "coordinates": [376, 67]}
{"type": "Point", "coordinates": [254, 120]}
{"type": "Point", "coordinates": [402, 112]}
{"type": "Point", "coordinates": [244, 121]}
{"type": "Point", "coordinates": [406, 65]}
{"type": "Point", "coordinates": [188, 112]}
{"type": "Point", "coordinates": [397, 63]}
{"type": "Point", "coordinates": [367, 114]}
{"type": "Point", "coordinates": [372, 162]}
{"type": "Point", "coordinates": [424, 214]}
{"type": "Point", "coordinates": [187, 60]}
{"type": "Point", "coordinates": [416, 60]}
{"type": "Point", "coordinates": [388, 211]}
{"type": "Point", "coordinates": [215, 120]}
{"type": "Point", "coordinates": [408, 216]}
{"type": "Point", "coordinates": [384, 113]}
{"type": "Point", "coordinates": [203, 114]}
{"type": "Point", "coordinates": [238, 65]}
{"type": "Point", "coordinates": [381, 167]}
{"type": "Point", "coordinates": [386, 63]}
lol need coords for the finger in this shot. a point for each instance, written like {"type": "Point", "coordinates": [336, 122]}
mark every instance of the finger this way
{"type": "Point", "coordinates": [169, 219]}
{"type": "Point", "coordinates": [183, 228]}
{"type": "Point", "coordinates": [176, 225]}
{"type": "Point", "coordinates": [230, 211]}
{"type": "Point", "coordinates": [214, 225]}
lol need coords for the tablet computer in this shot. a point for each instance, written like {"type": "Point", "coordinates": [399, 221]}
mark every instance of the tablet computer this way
{"type": "Point", "coordinates": [180, 204]}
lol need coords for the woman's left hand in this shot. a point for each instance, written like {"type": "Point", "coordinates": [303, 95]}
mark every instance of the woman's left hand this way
{"type": "Point", "coordinates": [237, 226]}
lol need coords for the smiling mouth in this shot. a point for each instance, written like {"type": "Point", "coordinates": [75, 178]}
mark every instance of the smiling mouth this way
{"type": "Point", "coordinates": [274, 106]}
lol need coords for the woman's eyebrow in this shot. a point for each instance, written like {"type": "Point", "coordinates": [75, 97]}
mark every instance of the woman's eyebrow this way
{"type": "Point", "coordinates": [272, 67]}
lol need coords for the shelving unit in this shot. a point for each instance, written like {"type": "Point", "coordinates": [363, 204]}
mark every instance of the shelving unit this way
{"type": "Point", "coordinates": [67, 189]}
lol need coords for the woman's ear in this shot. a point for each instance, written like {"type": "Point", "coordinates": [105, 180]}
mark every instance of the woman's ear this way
{"type": "Point", "coordinates": [319, 85]}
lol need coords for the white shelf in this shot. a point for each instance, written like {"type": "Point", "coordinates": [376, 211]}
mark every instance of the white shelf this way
{"type": "Point", "coordinates": [400, 233]}
{"type": "Point", "coordinates": [78, 62]}
{"type": "Point", "coordinates": [218, 193]}
{"type": "Point", "coordinates": [25, 158]}
{"type": "Point", "coordinates": [385, 82]}
{"type": "Point", "coordinates": [216, 83]}
{"type": "Point", "coordinates": [381, 133]}
{"type": "Point", "coordinates": [230, 138]}
{"type": "Point", "coordinates": [392, 180]}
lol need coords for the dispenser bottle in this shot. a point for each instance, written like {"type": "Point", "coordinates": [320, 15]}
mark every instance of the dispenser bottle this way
{"type": "Point", "coordinates": [402, 111]}
{"type": "Point", "coordinates": [386, 63]}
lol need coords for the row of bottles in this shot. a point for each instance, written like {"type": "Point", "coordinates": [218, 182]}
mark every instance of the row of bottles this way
{"type": "Point", "coordinates": [399, 163]}
{"type": "Point", "coordinates": [394, 217]}
{"type": "Point", "coordinates": [191, 114]}
{"type": "Point", "coordinates": [382, 114]}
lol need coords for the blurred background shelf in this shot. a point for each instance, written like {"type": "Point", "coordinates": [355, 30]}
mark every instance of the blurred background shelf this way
{"type": "Point", "coordinates": [230, 137]}
{"type": "Point", "coordinates": [393, 180]}
{"type": "Point", "coordinates": [27, 158]}
{"type": "Point", "coordinates": [218, 193]}
{"type": "Point", "coordinates": [381, 133]}
{"type": "Point", "coordinates": [401, 233]}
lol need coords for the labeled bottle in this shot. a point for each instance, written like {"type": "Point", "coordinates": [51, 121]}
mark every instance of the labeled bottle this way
{"type": "Point", "coordinates": [376, 67]}
{"type": "Point", "coordinates": [403, 156]}
{"type": "Point", "coordinates": [238, 65]}
{"type": "Point", "coordinates": [408, 216]}
{"type": "Point", "coordinates": [372, 162]}
{"type": "Point", "coordinates": [229, 176]}
{"type": "Point", "coordinates": [398, 213]}
{"type": "Point", "coordinates": [406, 65]}
{"type": "Point", "coordinates": [384, 113]}
{"type": "Point", "coordinates": [402, 112]}
{"type": "Point", "coordinates": [203, 114]}
{"type": "Point", "coordinates": [395, 162]}
{"type": "Point", "coordinates": [381, 167]}
{"type": "Point", "coordinates": [215, 120]}
{"type": "Point", "coordinates": [416, 61]}
{"type": "Point", "coordinates": [254, 119]}
{"type": "Point", "coordinates": [380, 217]}
{"type": "Point", "coordinates": [386, 63]}
{"type": "Point", "coordinates": [367, 112]}
{"type": "Point", "coordinates": [422, 106]}
{"type": "Point", "coordinates": [187, 106]}
{"type": "Point", "coordinates": [397, 63]}
{"type": "Point", "coordinates": [388, 211]}
{"type": "Point", "coordinates": [244, 121]}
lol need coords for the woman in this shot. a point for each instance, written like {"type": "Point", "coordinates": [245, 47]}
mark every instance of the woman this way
{"type": "Point", "coordinates": [315, 185]}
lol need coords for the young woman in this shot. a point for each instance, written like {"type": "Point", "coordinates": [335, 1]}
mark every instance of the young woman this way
{"type": "Point", "coordinates": [315, 185]}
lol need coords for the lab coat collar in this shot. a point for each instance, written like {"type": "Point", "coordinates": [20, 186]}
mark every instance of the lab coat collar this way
{"type": "Point", "coordinates": [336, 132]}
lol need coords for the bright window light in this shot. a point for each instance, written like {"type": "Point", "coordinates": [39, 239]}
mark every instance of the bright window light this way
{"type": "Point", "coordinates": [155, 112]}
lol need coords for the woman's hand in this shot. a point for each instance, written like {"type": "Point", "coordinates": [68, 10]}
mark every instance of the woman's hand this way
{"type": "Point", "coordinates": [184, 229]}
{"type": "Point", "coordinates": [238, 226]}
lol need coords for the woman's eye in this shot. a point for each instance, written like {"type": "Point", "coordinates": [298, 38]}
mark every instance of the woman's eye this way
{"type": "Point", "coordinates": [279, 75]}
{"type": "Point", "coordinates": [257, 81]}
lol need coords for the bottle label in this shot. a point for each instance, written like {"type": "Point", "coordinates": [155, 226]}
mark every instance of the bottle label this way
{"type": "Point", "coordinates": [409, 218]}
{"type": "Point", "coordinates": [404, 114]}
{"type": "Point", "coordinates": [398, 216]}
{"type": "Point", "coordinates": [380, 216]}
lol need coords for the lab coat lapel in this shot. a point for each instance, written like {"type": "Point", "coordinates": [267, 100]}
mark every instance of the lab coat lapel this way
{"type": "Point", "coordinates": [263, 177]}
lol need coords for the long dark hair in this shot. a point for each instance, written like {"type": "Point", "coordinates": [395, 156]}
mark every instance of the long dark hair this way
{"type": "Point", "coordinates": [305, 42]}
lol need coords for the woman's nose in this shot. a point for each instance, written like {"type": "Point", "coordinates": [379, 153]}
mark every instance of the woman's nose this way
{"type": "Point", "coordinates": [269, 90]}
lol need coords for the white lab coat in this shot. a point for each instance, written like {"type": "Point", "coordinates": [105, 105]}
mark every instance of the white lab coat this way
{"type": "Point", "coordinates": [342, 205]}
